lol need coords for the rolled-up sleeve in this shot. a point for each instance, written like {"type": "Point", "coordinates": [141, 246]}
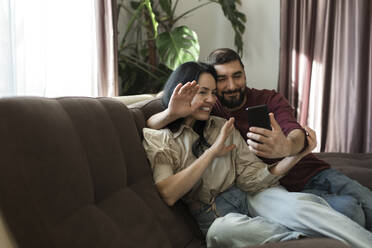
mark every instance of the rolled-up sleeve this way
{"type": "Point", "coordinates": [252, 174]}
{"type": "Point", "coordinates": [161, 157]}
{"type": "Point", "coordinates": [283, 112]}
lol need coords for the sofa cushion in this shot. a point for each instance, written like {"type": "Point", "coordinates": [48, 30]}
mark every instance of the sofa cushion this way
{"type": "Point", "coordinates": [357, 166]}
{"type": "Point", "coordinates": [74, 174]}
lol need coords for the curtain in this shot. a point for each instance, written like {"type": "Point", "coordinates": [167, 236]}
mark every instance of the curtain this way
{"type": "Point", "coordinates": [107, 40]}
{"type": "Point", "coordinates": [325, 70]}
{"type": "Point", "coordinates": [57, 48]}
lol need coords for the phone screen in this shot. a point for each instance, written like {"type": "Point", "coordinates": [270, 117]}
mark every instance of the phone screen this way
{"type": "Point", "coordinates": [258, 116]}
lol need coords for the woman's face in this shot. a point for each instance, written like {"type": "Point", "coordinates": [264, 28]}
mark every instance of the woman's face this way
{"type": "Point", "coordinates": [206, 96]}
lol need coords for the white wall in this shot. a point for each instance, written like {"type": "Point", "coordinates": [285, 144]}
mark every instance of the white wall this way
{"type": "Point", "coordinates": [261, 37]}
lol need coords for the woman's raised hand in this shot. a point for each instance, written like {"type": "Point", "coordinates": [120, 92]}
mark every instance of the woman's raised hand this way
{"type": "Point", "coordinates": [180, 101]}
{"type": "Point", "coordinates": [219, 148]}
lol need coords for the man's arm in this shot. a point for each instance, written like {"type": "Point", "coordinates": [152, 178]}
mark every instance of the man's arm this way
{"type": "Point", "coordinates": [179, 106]}
{"type": "Point", "coordinates": [253, 175]}
{"type": "Point", "coordinates": [273, 143]}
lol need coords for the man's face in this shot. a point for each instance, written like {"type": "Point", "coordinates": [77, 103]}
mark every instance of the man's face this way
{"type": "Point", "coordinates": [231, 84]}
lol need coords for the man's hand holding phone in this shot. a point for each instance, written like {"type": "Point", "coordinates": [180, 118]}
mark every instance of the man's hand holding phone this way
{"type": "Point", "coordinates": [269, 143]}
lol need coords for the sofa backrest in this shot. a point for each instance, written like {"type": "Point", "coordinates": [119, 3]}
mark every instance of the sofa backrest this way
{"type": "Point", "coordinates": [73, 173]}
{"type": "Point", "coordinates": [142, 110]}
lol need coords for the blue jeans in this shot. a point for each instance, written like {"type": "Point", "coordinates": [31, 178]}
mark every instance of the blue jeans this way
{"type": "Point", "coordinates": [230, 201]}
{"type": "Point", "coordinates": [343, 194]}
{"type": "Point", "coordinates": [230, 226]}
{"type": "Point", "coordinates": [309, 214]}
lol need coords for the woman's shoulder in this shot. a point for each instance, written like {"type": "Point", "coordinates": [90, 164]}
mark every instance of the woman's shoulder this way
{"type": "Point", "coordinates": [218, 121]}
{"type": "Point", "coordinates": [216, 125]}
{"type": "Point", "coordinates": [154, 136]}
{"type": "Point", "coordinates": [163, 131]}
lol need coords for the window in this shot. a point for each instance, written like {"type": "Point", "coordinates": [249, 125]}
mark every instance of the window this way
{"type": "Point", "coordinates": [48, 48]}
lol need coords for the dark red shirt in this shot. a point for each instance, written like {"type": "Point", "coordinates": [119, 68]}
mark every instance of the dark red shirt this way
{"type": "Point", "coordinates": [309, 166]}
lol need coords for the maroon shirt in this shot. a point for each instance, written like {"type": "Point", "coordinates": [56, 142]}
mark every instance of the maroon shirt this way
{"type": "Point", "coordinates": [309, 166]}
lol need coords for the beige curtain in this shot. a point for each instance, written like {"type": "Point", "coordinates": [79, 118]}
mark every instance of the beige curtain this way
{"type": "Point", "coordinates": [326, 69]}
{"type": "Point", "coordinates": [106, 18]}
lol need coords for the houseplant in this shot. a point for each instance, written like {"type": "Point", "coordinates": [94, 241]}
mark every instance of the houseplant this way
{"type": "Point", "coordinates": [153, 45]}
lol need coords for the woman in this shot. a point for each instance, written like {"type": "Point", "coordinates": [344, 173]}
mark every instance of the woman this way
{"type": "Point", "coordinates": [204, 161]}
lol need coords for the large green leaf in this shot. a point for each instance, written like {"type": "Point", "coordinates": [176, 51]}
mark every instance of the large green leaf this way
{"type": "Point", "coordinates": [178, 46]}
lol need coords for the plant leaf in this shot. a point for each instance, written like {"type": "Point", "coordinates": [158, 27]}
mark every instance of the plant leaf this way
{"type": "Point", "coordinates": [237, 20]}
{"type": "Point", "coordinates": [132, 20]}
{"type": "Point", "coordinates": [166, 5]}
{"type": "Point", "coordinates": [178, 46]}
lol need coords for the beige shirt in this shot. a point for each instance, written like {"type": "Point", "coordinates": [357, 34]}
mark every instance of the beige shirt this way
{"type": "Point", "coordinates": [170, 153]}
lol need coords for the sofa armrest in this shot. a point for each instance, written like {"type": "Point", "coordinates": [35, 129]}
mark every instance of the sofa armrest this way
{"type": "Point", "coordinates": [357, 166]}
{"type": "Point", "coordinates": [128, 100]}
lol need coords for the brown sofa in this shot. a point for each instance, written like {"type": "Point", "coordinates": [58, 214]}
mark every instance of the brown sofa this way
{"type": "Point", "coordinates": [73, 173]}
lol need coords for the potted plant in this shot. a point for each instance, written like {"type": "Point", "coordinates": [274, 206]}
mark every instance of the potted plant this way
{"type": "Point", "coordinates": [153, 45]}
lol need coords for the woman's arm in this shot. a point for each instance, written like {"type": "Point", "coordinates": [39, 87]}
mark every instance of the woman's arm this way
{"type": "Point", "coordinates": [288, 162]}
{"type": "Point", "coordinates": [179, 106]}
{"type": "Point", "coordinates": [253, 175]}
{"type": "Point", "coordinates": [176, 186]}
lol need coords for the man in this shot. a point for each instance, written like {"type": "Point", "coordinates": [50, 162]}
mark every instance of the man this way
{"type": "Point", "coordinates": [310, 175]}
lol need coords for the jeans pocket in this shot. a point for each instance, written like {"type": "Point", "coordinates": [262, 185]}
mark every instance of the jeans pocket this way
{"type": "Point", "coordinates": [232, 199]}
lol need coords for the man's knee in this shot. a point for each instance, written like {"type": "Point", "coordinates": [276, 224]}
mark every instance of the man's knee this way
{"type": "Point", "coordinates": [344, 204]}
{"type": "Point", "coordinates": [219, 232]}
{"type": "Point", "coordinates": [349, 206]}
{"type": "Point", "coordinates": [237, 230]}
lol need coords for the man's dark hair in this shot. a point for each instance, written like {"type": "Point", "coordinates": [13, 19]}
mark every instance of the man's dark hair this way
{"type": "Point", "coordinates": [222, 56]}
{"type": "Point", "coordinates": [184, 73]}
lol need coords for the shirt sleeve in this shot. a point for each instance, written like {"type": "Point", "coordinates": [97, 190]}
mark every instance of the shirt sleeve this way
{"type": "Point", "coordinates": [157, 145]}
{"type": "Point", "coordinates": [252, 174]}
{"type": "Point", "coordinates": [283, 112]}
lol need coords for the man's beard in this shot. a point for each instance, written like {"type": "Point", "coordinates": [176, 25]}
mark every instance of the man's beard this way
{"type": "Point", "coordinates": [232, 102]}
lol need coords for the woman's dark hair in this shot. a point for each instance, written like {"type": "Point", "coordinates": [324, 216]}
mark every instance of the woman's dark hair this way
{"type": "Point", "coordinates": [184, 73]}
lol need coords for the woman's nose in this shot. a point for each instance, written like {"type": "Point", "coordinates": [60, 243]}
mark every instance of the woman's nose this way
{"type": "Point", "coordinates": [211, 98]}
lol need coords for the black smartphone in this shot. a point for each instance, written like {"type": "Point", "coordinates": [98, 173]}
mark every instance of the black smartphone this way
{"type": "Point", "coordinates": [258, 116]}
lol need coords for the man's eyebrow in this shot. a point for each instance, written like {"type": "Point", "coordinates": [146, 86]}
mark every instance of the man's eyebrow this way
{"type": "Point", "coordinates": [205, 88]}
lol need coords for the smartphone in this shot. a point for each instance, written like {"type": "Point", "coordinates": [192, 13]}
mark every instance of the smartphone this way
{"type": "Point", "coordinates": [258, 116]}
